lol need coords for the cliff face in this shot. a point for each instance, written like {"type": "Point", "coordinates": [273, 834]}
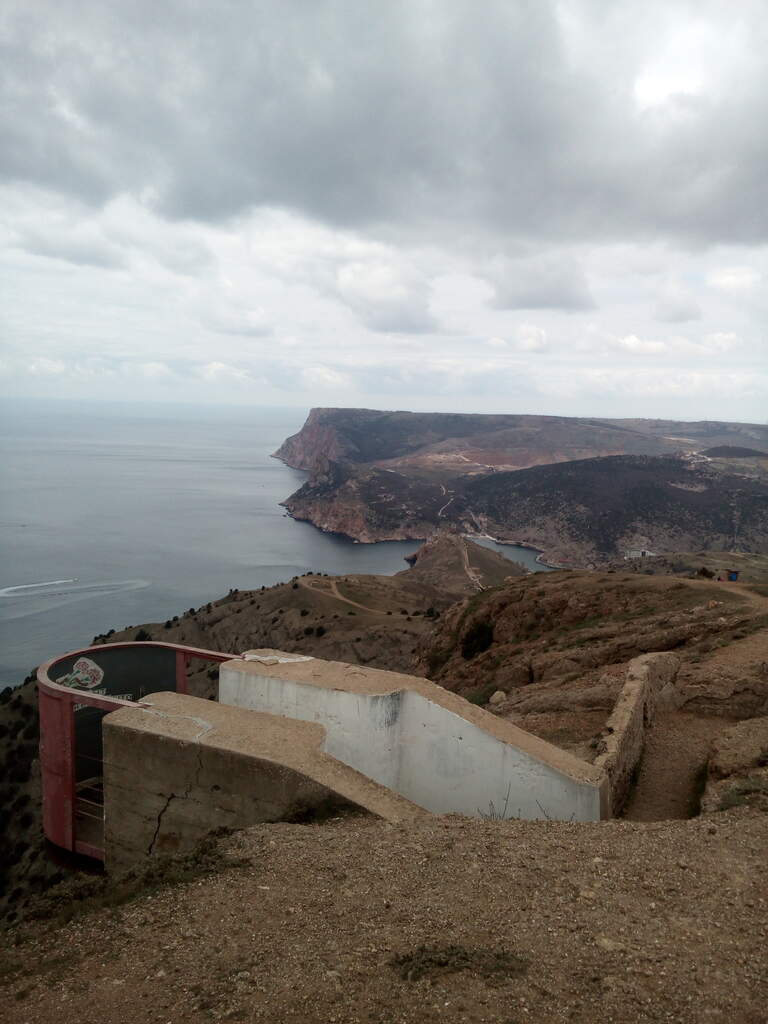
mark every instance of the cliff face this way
{"type": "Point", "coordinates": [318, 442]}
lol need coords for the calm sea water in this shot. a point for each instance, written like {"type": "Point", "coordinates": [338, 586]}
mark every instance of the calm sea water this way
{"type": "Point", "coordinates": [114, 516]}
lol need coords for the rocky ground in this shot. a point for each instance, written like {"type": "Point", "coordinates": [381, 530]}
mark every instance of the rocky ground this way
{"type": "Point", "coordinates": [454, 920]}
{"type": "Point", "coordinates": [658, 917]}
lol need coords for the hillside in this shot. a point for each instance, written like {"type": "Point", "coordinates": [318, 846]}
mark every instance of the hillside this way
{"type": "Point", "coordinates": [359, 619]}
{"type": "Point", "coordinates": [581, 490]}
{"type": "Point", "coordinates": [577, 512]}
{"type": "Point", "coordinates": [368, 620]}
{"type": "Point", "coordinates": [553, 643]}
{"type": "Point", "coordinates": [459, 442]}
{"type": "Point", "coordinates": [457, 919]}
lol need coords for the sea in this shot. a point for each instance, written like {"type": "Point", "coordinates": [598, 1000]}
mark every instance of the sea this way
{"type": "Point", "coordinates": [117, 514]}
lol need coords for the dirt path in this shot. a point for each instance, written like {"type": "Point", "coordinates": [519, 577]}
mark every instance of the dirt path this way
{"type": "Point", "coordinates": [445, 506]}
{"type": "Point", "coordinates": [331, 587]}
{"type": "Point", "coordinates": [676, 751]}
{"type": "Point", "coordinates": [473, 575]}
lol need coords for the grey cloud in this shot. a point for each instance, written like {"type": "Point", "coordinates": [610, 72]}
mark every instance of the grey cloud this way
{"type": "Point", "coordinates": [386, 297]}
{"type": "Point", "coordinates": [223, 319]}
{"type": "Point", "coordinates": [411, 116]}
{"type": "Point", "coordinates": [397, 320]}
{"type": "Point", "coordinates": [676, 306]}
{"type": "Point", "coordinates": [83, 251]}
{"type": "Point", "coordinates": [545, 282]}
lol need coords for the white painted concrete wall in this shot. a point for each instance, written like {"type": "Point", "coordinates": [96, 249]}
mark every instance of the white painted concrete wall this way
{"type": "Point", "coordinates": [448, 764]}
{"type": "Point", "coordinates": [421, 750]}
{"type": "Point", "coordinates": [361, 731]}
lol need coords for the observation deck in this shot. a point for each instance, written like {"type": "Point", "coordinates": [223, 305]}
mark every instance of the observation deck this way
{"type": "Point", "coordinates": [75, 692]}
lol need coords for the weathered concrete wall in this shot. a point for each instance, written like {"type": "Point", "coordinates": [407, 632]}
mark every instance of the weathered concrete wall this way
{"type": "Point", "coordinates": [427, 744]}
{"type": "Point", "coordinates": [182, 767]}
{"type": "Point", "coordinates": [650, 683]}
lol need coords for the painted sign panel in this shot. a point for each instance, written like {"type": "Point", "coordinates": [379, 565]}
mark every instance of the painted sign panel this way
{"type": "Point", "coordinates": [126, 673]}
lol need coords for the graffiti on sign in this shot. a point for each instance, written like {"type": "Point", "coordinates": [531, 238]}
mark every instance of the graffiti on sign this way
{"type": "Point", "coordinates": [84, 675]}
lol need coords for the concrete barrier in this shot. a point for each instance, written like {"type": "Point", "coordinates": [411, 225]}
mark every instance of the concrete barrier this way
{"type": "Point", "coordinates": [650, 683]}
{"type": "Point", "coordinates": [178, 767]}
{"type": "Point", "coordinates": [421, 741]}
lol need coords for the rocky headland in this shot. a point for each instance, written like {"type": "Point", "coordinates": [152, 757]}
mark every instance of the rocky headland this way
{"type": "Point", "coordinates": [581, 491]}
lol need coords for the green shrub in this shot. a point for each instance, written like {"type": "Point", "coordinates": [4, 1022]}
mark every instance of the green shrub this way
{"type": "Point", "coordinates": [477, 639]}
{"type": "Point", "coordinates": [482, 694]}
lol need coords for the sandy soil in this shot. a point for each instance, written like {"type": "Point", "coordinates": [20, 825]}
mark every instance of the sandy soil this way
{"type": "Point", "coordinates": [675, 755]}
{"type": "Point", "coordinates": [455, 920]}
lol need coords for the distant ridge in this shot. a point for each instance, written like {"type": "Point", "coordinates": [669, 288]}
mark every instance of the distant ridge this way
{"type": "Point", "coordinates": [725, 451]}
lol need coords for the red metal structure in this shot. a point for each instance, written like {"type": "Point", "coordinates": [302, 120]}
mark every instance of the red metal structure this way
{"type": "Point", "coordinates": [70, 727]}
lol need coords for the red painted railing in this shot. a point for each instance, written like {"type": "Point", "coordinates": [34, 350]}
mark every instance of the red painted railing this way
{"type": "Point", "coordinates": [69, 749]}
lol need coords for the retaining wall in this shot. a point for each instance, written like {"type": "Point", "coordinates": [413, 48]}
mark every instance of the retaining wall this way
{"type": "Point", "coordinates": [180, 767]}
{"type": "Point", "coordinates": [423, 742]}
{"type": "Point", "coordinates": [650, 683]}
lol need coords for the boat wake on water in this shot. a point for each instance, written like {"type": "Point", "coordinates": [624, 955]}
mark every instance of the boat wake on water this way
{"type": "Point", "coordinates": [30, 598]}
{"type": "Point", "coordinates": [32, 587]}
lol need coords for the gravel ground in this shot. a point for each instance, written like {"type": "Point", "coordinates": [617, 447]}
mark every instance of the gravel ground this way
{"type": "Point", "coordinates": [454, 920]}
{"type": "Point", "coordinates": [670, 783]}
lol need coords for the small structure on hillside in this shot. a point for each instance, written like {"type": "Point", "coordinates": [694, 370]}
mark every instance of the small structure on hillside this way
{"type": "Point", "coordinates": [131, 770]}
{"type": "Point", "coordinates": [733, 575]}
{"type": "Point", "coordinates": [638, 553]}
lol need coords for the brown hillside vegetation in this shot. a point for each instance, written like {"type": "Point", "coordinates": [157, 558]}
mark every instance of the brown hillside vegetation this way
{"type": "Point", "coordinates": [552, 651]}
{"type": "Point", "coordinates": [360, 619]}
{"type": "Point", "coordinates": [368, 620]}
{"type": "Point", "coordinates": [663, 916]}
{"type": "Point", "coordinates": [581, 490]}
{"type": "Point", "coordinates": [556, 627]}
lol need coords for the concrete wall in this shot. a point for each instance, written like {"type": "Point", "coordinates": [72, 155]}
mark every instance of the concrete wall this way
{"type": "Point", "coordinates": [361, 730]}
{"type": "Point", "coordinates": [427, 744]}
{"type": "Point", "coordinates": [180, 768]}
{"type": "Point", "coordinates": [650, 683]}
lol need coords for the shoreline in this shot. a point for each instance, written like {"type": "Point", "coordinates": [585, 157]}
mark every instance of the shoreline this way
{"type": "Point", "coordinates": [540, 559]}
{"type": "Point", "coordinates": [518, 544]}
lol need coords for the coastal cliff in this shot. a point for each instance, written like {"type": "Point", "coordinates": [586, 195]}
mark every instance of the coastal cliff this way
{"type": "Point", "coordinates": [318, 442]}
{"type": "Point", "coordinates": [400, 476]}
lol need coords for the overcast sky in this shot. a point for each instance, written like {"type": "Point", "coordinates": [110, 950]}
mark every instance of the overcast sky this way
{"type": "Point", "coordinates": [523, 205]}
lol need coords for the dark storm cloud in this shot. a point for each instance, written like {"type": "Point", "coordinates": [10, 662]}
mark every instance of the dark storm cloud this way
{"type": "Point", "coordinates": [414, 115]}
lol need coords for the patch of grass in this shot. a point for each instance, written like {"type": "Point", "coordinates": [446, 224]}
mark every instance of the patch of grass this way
{"type": "Point", "coordinates": [432, 961]}
{"type": "Point", "coordinates": [85, 895]}
{"type": "Point", "coordinates": [477, 639]}
{"type": "Point", "coordinates": [745, 792]}
{"type": "Point", "coordinates": [436, 659]}
{"type": "Point", "coordinates": [482, 694]}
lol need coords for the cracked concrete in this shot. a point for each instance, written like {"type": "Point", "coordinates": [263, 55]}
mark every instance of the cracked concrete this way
{"type": "Point", "coordinates": [151, 847]}
{"type": "Point", "coordinates": [183, 767]}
